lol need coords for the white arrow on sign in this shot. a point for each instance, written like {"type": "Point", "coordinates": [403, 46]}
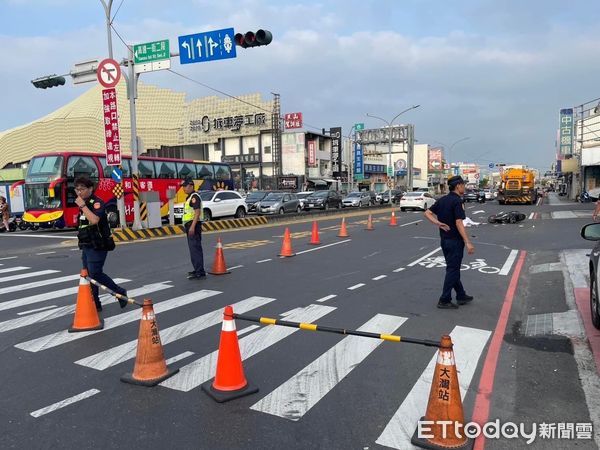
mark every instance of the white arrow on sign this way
{"type": "Point", "coordinates": [199, 45]}
{"type": "Point", "coordinates": [187, 47]}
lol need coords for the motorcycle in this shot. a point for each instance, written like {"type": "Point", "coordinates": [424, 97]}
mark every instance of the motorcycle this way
{"type": "Point", "coordinates": [585, 197]}
{"type": "Point", "coordinates": [12, 225]}
{"type": "Point", "coordinates": [506, 217]}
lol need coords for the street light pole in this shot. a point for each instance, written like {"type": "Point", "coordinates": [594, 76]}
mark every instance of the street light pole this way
{"type": "Point", "coordinates": [389, 124]}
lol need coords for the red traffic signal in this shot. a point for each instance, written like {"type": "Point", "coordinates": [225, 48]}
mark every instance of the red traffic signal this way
{"type": "Point", "coordinates": [251, 39]}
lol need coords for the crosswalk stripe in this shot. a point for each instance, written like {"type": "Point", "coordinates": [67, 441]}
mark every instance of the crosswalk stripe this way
{"type": "Point", "coordinates": [14, 269]}
{"type": "Point", "coordinates": [65, 402]}
{"type": "Point", "coordinates": [203, 369]}
{"type": "Point", "coordinates": [39, 273]}
{"type": "Point", "coordinates": [468, 346]}
{"type": "Point", "coordinates": [299, 394]}
{"type": "Point", "coordinates": [36, 284]}
{"type": "Point", "coordinates": [126, 351]}
{"type": "Point", "coordinates": [63, 336]}
{"type": "Point", "coordinates": [31, 311]}
{"type": "Point", "coordinates": [179, 357]}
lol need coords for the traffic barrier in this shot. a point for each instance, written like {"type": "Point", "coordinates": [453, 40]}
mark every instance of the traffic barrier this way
{"type": "Point", "coordinates": [286, 245]}
{"type": "Point", "coordinates": [130, 300]}
{"type": "Point", "coordinates": [314, 239]}
{"type": "Point", "coordinates": [370, 226]}
{"type": "Point", "coordinates": [393, 221]}
{"type": "Point", "coordinates": [219, 267]}
{"type": "Point", "coordinates": [229, 382]}
{"type": "Point", "coordinates": [343, 231]}
{"type": "Point", "coordinates": [86, 317]}
{"type": "Point", "coordinates": [150, 366]}
{"type": "Point", "coordinates": [444, 404]}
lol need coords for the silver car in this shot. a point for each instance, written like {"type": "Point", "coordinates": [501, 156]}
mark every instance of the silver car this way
{"type": "Point", "coordinates": [279, 203]}
{"type": "Point", "coordinates": [357, 199]}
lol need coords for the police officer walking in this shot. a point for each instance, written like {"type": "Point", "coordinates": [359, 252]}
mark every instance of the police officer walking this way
{"type": "Point", "coordinates": [448, 214]}
{"type": "Point", "coordinates": [192, 221]}
{"type": "Point", "coordinates": [94, 238]}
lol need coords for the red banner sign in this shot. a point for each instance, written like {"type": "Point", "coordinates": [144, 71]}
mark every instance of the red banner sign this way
{"type": "Point", "coordinates": [312, 153]}
{"type": "Point", "coordinates": [293, 120]}
{"type": "Point", "coordinates": [111, 127]}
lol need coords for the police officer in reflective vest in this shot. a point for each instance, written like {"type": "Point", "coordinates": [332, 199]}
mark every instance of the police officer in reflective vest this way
{"type": "Point", "coordinates": [448, 214]}
{"type": "Point", "coordinates": [94, 238]}
{"type": "Point", "coordinates": [192, 221]}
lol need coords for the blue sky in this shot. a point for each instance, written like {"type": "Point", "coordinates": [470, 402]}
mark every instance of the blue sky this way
{"type": "Point", "coordinates": [496, 71]}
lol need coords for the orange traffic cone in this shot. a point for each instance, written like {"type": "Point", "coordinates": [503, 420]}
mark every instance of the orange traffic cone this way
{"type": "Point", "coordinates": [86, 317]}
{"type": "Point", "coordinates": [229, 382]}
{"type": "Point", "coordinates": [286, 246]}
{"type": "Point", "coordinates": [219, 267]}
{"type": "Point", "coordinates": [150, 367]}
{"type": "Point", "coordinates": [343, 231]}
{"type": "Point", "coordinates": [444, 404]}
{"type": "Point", "coordinates": [370, 226]}
{"type": "Point", "coordinates": [393, 222]}
{"type": "Point", "coordinates": [314, 239]}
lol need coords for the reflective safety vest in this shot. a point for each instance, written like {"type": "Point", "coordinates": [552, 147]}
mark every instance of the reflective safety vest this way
{"type": "Point", "coordinates": [188, 210]}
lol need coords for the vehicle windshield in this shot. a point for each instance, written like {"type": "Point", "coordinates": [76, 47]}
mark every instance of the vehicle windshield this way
{"type": "Point", "coordinates": [354, 194]}
{"type": "Point", "coordinates": [254, 196]}
{"type": "Point", "coordinates": [304, 194]}
{"type": "Point", "coordinates": [413, 194]}
{"type": "Point", "coordinates": [37, 197]}
{"type": "Point", "coordinates": [206, 195]}
{"type": "Point", "coordinates": [273, 196]}
{"type": "Point", "coordinates": [320, 194]}
{"type": "Point", "coordinates": [44, 167]}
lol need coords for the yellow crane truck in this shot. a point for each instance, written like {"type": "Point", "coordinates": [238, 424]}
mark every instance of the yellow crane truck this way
{"type": "Point", "coordinates": [517, 186]}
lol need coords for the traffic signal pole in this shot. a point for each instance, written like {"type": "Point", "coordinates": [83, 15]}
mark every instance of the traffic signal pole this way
{"type": "Point", "coordinates": [132, 94]}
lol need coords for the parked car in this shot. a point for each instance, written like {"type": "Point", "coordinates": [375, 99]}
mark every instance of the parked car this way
{"type": "Point", "coordinates": [396, 196]}
{"type": "Point", "coordinates": [416, 200]}
{"type": "Point", "coordinates": [323, 200]}
{"type": "Point", "coordinates": [302, 197]}
{"type": "Point", "coordinates": [471, 195]}
{"type": "Point", "coordinates": [253, 198]}
{"type": "Point", "coordinates": [374, 197]}
{"type": "Point", "coordinates": [279, 203]}
{"type": "Point", "coordinates": [217, 204]}
{"type": "Point", "coordinates": [591, 232]}
{"type": "Point", "coordinates": [358, 199]}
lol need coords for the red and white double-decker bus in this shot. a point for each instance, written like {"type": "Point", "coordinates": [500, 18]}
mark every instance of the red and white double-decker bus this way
{"type": "Point", "coordinates": [50, 193]}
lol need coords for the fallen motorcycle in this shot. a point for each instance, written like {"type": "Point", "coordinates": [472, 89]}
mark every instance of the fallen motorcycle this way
{"type": "Point", "coordinates": [12, 226]}
{"type": "Point", "coordinates": [506, 217]}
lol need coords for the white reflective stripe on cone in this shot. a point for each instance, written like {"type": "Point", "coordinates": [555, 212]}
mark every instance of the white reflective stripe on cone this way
{"type": "Point", "coordinates": [228, 325]}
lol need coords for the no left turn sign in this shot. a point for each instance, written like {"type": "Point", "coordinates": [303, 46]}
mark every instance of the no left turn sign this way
{"type": "Point", "coordinates": [109, 73]}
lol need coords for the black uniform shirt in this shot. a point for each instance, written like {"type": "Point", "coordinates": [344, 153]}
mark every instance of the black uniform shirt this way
{"type": "Point", "coordinates": [448, 209]}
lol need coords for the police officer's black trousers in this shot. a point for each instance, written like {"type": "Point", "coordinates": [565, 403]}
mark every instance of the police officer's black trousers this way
{"type": "Point", "coordinates": [93, 261]}
{"type": "Point", "coordinates": [195, 246]}
{"type": "Point", "coordinates": [453, 253]}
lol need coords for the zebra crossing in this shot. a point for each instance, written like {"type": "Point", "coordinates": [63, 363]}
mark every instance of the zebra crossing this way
{"type": "Point", "coordinates": [302, 392]}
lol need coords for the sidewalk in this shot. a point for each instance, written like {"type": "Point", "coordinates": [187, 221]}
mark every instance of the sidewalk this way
{"type": "Point", "coordinates": [553, 199]}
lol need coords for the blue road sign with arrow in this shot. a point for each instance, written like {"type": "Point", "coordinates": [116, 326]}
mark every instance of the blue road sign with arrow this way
{"type": "Point", "coordinates": [209, 46]}
{"type": "Point", "coordinates": [117, 174]}
{"type": "Point", "coordinates": [491, 165]}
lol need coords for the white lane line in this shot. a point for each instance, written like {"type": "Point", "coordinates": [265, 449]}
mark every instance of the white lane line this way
{"type": "Point", "coordinates": [36, 284]}
{"type": "Point", "coordinates": [45, 253]}
{"type": "Point", "coordinates": [399, 269]}
{"type": "Point", "coordinates": [14, 269]}
{"type": "Point", "coordinates": [236, 267]}
{"type": "Point", "coordinates": [479, 211]}
{"type": "Point", "coordinates": [410, 223]}
{"type": "Point", "coordinates": [8, 257]}
{"type": "Point", "coordinates": [179, 357]}
{"type": "Point", "coordinates": [42, 236]}
{"type": "Point", "coordinates": [36, 310]}
{"type": "Point", "coordinates": [414, 263]}
{"type": "Point", "coordinates": [203, 369]}
{"type": "Point", "coordinates": [75, 250]}
{"type": "Point", "coordinates": [509, 262]}
{"type": "Point", "coordinates": [539, 201]}
{"type": "Point", "coordinates": [470, 207]}
{"type": "Point", "coordinates": [356, 286]}
{"type": "Point", "coordinates": [468, 346]}
{"type": "Point", "coordinates": [531, 216]}
{"type": "Point", "coordinates": [264, 260]}
{"type": "Point", "coordinates": [380, 277]}
{"type": "Point", "coordinates": [324, 299]}
{"type": "Point", "coordinates": [126, 351]}
{"type": "Point", "coordinates": [300, 393]}
{"type": "Point", "coordinates": [39, 273]}
{"type": "Point", "coordinates": [63, 337]}
{"type": "Point", "coordinates": [323, 246]}
{"type": "Point", "coordinates": [65, 402]}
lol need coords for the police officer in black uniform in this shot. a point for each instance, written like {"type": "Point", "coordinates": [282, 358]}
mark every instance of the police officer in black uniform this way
{"type": "Point", "coordinates": [93, 235]}
{"type": "Point", "coordinates": [193, 216]}
{"type": "Point", "coordinates": [448, 214]}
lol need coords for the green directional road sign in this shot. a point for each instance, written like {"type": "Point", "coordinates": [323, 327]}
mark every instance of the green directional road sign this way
{"type": "Point", "coordinates": [389, 171]}
{"type": "Point", "coordinates": [151, 51]}
{"type": "Point", "coordinates": [359, 126]}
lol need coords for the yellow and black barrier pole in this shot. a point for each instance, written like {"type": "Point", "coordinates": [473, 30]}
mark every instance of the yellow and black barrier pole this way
{"type": "Point", "coordinates": [315, 327]}
{"type": "Point", "coordinates": [130, 300]}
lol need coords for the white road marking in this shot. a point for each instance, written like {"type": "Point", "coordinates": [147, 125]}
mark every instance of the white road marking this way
{"type": "Point", "coordinates": [479, 211]}
{"type": "Point", "coordinates": [8, 257]}
{"type": "Point", "coordinates": [300, 393]}
{"type": "Point", "coordinates": [414, 263]}
{"type": "Point", "coordinates": [36, 284]}
{"type": "Point", "coordinates": [264, 260]}
{"type": "Point", "coordinates": [539, 201]}
{"type": "Point", "coordinates": [329, 297]}
{"type": "Point", "coordinates": [36, 310]}
{"type": "Point", "coordinates": [399, 269]}
{"type": "Point", "coordinates": [468, 346]}
{"type": "Point", "coordinates": [563, 215]}
{"type": "Point", "coordinates": [247, 330]}
{"type": "Point", "coordinates": [179, 357]}
{"type": "Point", "coordinates": [39, 273]}
{"type": "Point", "coordinates": [323, 246]}
{"type": "Point", "coordinates": [509, 262]}
{"type": "Point", "coordinates": [547, 267]}
{"type": "Point", "coordinates": [410, 223]}
{"type": "Point", "coordinates": [45, 253]}
{"type": "Point", "coordinates": [203, 369]}
{"type": "Point", "coordinates": [14, 269]}
{"type": "Point", "coordinates": [380, 277]}
{"type": "Point", "coordinates": [356, 286]}
{"type": "Point", "coordinates": [236, 267]}
{"type": "Point", "coordinates": [531, 216]}
{"type": "Point", "coordinates": [65, 402]}
{"type": "Point", "coordinates": [49, 236]}
{"type": "Point", "coordinates": [126, 351]}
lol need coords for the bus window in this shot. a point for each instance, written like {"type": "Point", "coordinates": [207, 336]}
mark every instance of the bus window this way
{"type": "Point", "coordinates": [204, 171]}
{"type": "Point", "coordinates": [126, 165]}
{"type": "Point", "coordinates": [45, 166]}
{"type": "Point", "coordinates": [146, 169]}
{"type": "Point", "coordinates": [78, 166]}
{"type": "Point", "coordinates": [186, 170]}
{"type": "Point", "coordinates": [222, 173]}
{"type": "Point", "coordinates": [166, 169]}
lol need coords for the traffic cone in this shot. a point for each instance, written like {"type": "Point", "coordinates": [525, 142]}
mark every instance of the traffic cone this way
{"type": "Point", "coordinates": [370, 226]}
{"type": "Point", "coordinates": [86, 317]}
{"type": "Point", "coordinates": [230, 382]}
{"type": "Point", "coordinates": [286, 246]}
{"type": "Point", "coordinates": [444, 404]}
{"type": "Point", "coordinates": [314, 239]}
{"type": "Point", "coordinates": [343, 231]}
{"type": "Point", "coordinates": [150, 367]}
{"type": "Point", "coordinates": [393, 222]}
{"type": "Point", "coordinates": [219, 267]}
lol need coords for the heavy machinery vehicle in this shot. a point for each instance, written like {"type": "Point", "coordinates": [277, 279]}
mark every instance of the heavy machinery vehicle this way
{"type": "Point", "coordinates": [517, 186]}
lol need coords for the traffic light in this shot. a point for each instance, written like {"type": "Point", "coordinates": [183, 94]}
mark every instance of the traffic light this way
{"type": "Point", "coordinates": [48, 81]}
{"type": "Point", "coordinates": [251, 39]}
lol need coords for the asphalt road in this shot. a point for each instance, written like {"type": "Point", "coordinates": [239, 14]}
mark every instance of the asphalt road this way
{"type": "Point", "coordinates": [519, 356]}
